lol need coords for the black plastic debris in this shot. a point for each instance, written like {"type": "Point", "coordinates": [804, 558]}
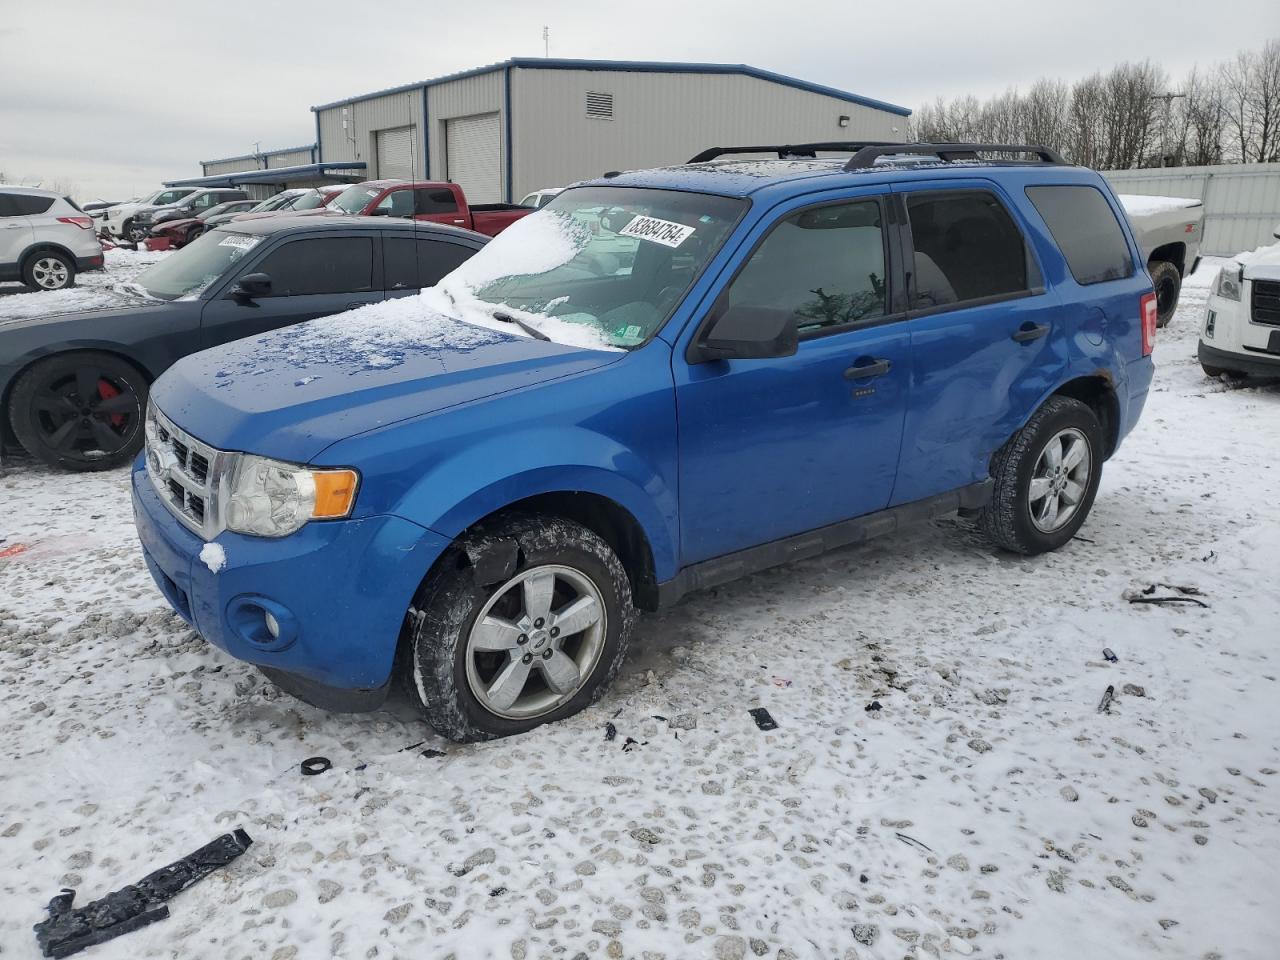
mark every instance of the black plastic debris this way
{"type": "Point", "coordinates": [1180, 595]}
{"type": "Point", "coordinates": [432, 753]}
{"type": "Point", "coordinates": [1109, 655]}
{"type": "Point", "coordinates": [633, 742]}
{"type": "Point", "coordinates": [764, 720]}
{"type": "Point", "coordinates": [912, 842]}
{"type": "Point", "coordinates": [610, 731]}
{"type": "Point", "coordinates": [1104, 706]}
{"type": "Point", "coordinates": [314, 766]}
{"type": "Point", "coordinates": [70, 930]}
{"type": "Point", "coordinates": [873, 707]}
{"type": "Point", "coordinates": [412, 746]}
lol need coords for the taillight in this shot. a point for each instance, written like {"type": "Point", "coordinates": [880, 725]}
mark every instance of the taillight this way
{"type": "Point", "coordinates": [1148, 309]}
{"type": "Point", "coordinates": [84, 223]}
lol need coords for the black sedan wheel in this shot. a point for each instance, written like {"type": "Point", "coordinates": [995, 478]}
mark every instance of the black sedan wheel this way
{"type": "Point", "coordinates": [80, 411]}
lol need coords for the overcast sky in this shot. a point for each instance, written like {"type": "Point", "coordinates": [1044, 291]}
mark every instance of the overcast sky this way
{"type": "Point", "coordinates": [112, 97]}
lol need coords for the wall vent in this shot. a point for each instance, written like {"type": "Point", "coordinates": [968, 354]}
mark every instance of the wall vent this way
{"type": "Point", "coordinates": [600, 106]}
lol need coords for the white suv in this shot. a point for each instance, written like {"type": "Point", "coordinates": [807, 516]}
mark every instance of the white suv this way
{"type": "Point", "coordinates": [45, 239]}
{"type": "Point", "coordinates": [1241, 332]}
{"type": "Point", "coordinates": [119, 221]}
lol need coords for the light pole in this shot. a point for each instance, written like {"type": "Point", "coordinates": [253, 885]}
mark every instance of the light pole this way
{"type": "Point", "coordinates": [1168, 99]}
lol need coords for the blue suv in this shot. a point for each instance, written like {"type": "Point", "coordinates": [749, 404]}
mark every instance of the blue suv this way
{"type": "Point", "coordinates": [661, 381]}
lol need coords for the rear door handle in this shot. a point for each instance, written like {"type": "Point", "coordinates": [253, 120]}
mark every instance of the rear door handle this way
{"type": "Point", "coordinates": [872, 367]}
{"type": "Point", "coordinates": [1030, 331]}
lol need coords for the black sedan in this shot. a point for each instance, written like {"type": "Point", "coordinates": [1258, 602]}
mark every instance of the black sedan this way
{"type": "Point", "coordinates": [75, 385]}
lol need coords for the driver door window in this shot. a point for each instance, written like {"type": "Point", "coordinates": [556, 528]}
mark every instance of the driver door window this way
{"type": "Point", "coordinates": [319, 265]}
{"type": "Point", "coordinates": [397, 203]}
{"type": "Point", "coordinates": [825, 265]}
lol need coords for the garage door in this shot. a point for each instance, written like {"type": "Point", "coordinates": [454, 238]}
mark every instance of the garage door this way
{"type": "Point", "coordinates": [473, 148]}
{"type": "Point", "coordinates": [395, 153]}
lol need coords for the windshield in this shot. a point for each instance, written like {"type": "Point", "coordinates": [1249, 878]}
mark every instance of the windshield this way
{"type": "Point", "coordinates": [309, 201]}
{"type": "Point", "coordinates": [602, 263]}
{"type": "Point", "coordinates": [170, 196]}
{"type": "Point", "coordinates": [354, 198]}
{"type": "Point", "coordinates": [191, 270]}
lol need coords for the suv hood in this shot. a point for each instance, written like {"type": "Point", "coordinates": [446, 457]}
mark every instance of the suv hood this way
{"type": "Point", "coordinates": [291, 393]}
{"type": "Point", "coordinates": [1262, 264]}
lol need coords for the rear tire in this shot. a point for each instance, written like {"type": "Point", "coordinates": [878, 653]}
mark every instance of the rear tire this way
{"type": "Point", "coordinates": [1168, 283]}
{"type": "Point", "coordinates": [1215, 372]}
{"type": "Point", "coordinates": [49, 270]}
{"type": "Point", "coordinates": [1039, 504]}
{"type": "Point", "coordinates": [64, 429]}
{"type": "Point", "coordinates": [470, 682]}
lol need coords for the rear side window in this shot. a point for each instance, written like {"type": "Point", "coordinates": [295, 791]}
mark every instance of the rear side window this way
{"type": "Point", "coordinates": [1086, 231]}
{"type": "Point", "coordinates": [437, 258]}
{"type": "Point", "coordinates": [23, 204]}
{"type": "Point", "coordinates": [319, 265]}
{"type": "Point", "coordinates": [435, 201]}
{"type": "Point", "coordinates": [410, 264]}
{"type": "Point", "coordinates": [825, 265]}
{"type": "Point", "coordinates": [967, 247]}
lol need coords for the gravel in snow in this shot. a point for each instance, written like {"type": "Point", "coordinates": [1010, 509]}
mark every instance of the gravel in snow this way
{"type": "Point", "coordinates": [986, 808]}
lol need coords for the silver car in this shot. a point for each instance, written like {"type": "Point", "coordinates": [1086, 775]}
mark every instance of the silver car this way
{"type": "Point", "coordinates": [45, 239]}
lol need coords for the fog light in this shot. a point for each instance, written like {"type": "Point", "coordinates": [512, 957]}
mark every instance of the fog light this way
{"type": "Point", "coordinates": [273, 625]}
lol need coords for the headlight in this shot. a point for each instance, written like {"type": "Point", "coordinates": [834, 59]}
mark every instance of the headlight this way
{"type": "Point", "coordinates": [1230, 279]}
{"type": "Point", "coordinates": [268, 498]}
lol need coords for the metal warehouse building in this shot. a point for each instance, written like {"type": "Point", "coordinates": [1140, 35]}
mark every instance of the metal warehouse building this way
{"type": "Point", "coordinates": [506, 129]}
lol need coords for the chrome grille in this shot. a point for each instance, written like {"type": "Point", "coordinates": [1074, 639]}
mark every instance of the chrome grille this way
{"type": "Point", "coordinates": [186, 474]}
{"type": "Point", "coordinates": [1265, 302]}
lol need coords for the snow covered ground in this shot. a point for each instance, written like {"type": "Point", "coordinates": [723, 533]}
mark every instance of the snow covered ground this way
{"type": "Point", "coordinates": [100, 288]}
{"type": "Point", "coordinates": [986, 809]}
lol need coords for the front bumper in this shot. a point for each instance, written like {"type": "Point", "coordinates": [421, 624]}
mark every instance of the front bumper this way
{"type": "Point", "coordinates": [1253, 364]}
{"type": "Point", "coordinates": [339, 590]}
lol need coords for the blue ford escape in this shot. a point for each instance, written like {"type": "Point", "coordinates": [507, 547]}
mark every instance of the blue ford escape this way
{"type": "Point", "coordinates": [663, 380]}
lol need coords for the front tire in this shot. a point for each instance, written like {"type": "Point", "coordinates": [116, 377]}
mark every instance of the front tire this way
{"type": "Point", "coordinates": [135, 233]}
{"type": "Point", "coordinates": [1168, 284]}
{"type": "Point", "coordinates": [540, 643]}
{"type": "Point", "coordinates": [80, 410]}
{"type": "Point", "coordinates": [49, 270]}
{"type": "Point", "coordinates": [1046, 477]}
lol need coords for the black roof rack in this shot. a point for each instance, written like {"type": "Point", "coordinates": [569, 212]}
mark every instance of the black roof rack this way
{"type": "Point", "coordinates": [785, 151]}
{"type": "Point", "coordinates": [866, 152]}
{"type": "Point", "coordinates": [948, 152]}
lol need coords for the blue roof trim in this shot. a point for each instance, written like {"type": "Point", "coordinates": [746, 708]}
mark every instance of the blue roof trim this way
{"type": "Point", "coordinates": [272, 175]}
{"type": "Point", "coordinates": [635, 66]}
{"type": "Point", "coordinates": [264, 153]}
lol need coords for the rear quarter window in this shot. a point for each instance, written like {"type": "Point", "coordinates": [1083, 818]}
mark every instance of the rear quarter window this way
{"type": "Point", "coordinates": [1086, 230]}
{"type": "Point", "coordinates": [23, 204]}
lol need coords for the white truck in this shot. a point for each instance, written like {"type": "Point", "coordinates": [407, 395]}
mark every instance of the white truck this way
{"type": "Point", "coordinates": [1241, 332]}
{"type": "Point", "coordinates": [1169, 231]}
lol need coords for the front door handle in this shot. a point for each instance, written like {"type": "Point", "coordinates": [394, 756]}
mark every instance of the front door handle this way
{"type": "Point", "coordinates": [1030, 331]}
{"type": "Point", "coordinates": [865, 367]}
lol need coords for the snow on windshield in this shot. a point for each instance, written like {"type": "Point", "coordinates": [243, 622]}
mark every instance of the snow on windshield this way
{"type": "Point", "coordinates": [111, 287]}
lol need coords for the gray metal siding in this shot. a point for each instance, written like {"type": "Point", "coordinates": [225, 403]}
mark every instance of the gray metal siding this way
{"type": "Point", "coordinates": [365, 118]}
{"type": "Point", "coordinates": [1241, 200]}
{"type": "Point", "coordinates": [291, 158]}
{"type": "Point", "coordinates": [661, 119]}
{"type": "Point", "coordinates": [238, 165]}
{"type": "Point", "coordinates": [468, 97]}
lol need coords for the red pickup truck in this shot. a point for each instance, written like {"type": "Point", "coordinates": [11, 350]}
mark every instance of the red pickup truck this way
{"type": "Point", "coordinates": [425, 200]}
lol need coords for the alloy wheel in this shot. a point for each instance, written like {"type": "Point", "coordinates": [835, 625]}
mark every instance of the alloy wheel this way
{"type": "Point", "coordinates": [1059, 480]}
{"type": "Point", "coordinates": [536, 642]}
{"type": "Point", "coordinates": [86, 414]}
{"type": "Point", "coordinates": [50, 273]}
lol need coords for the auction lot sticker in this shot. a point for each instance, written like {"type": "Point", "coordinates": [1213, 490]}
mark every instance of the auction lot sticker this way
{"type": "Point", "coordinates": [240, 241]}
{"type": "Point", "coordinates": [659, 231]}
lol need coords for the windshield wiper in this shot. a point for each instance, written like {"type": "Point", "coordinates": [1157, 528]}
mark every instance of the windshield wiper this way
{"type": "Point", "coordinates": [530, 330]}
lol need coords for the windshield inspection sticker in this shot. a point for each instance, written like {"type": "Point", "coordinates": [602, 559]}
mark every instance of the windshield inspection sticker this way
{"type": "Point", "coordinates": [240, 242]}
{"type": "Point", "coordinates": [659, 231]}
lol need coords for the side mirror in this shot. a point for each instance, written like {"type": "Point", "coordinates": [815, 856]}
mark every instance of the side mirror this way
{"type": "Point", "coordinates": [750, 333]}
{"type": "Point", "coordinates": [379, 212]}
{"type": "Point", "coordinates": [252, 285]}
{"type": "Point", "coordinates": [1276, 231]}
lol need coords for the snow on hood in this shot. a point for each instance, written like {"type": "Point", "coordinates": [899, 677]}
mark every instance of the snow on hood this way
{"type": "Point", "coordinates": [108, 289]}
{"type": "Point", "coordinates": [1262, 263]}
{"type": "Point", "coordinates": [1139, 205]}
{"type": "Point", "coordinates": [447, 316]}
